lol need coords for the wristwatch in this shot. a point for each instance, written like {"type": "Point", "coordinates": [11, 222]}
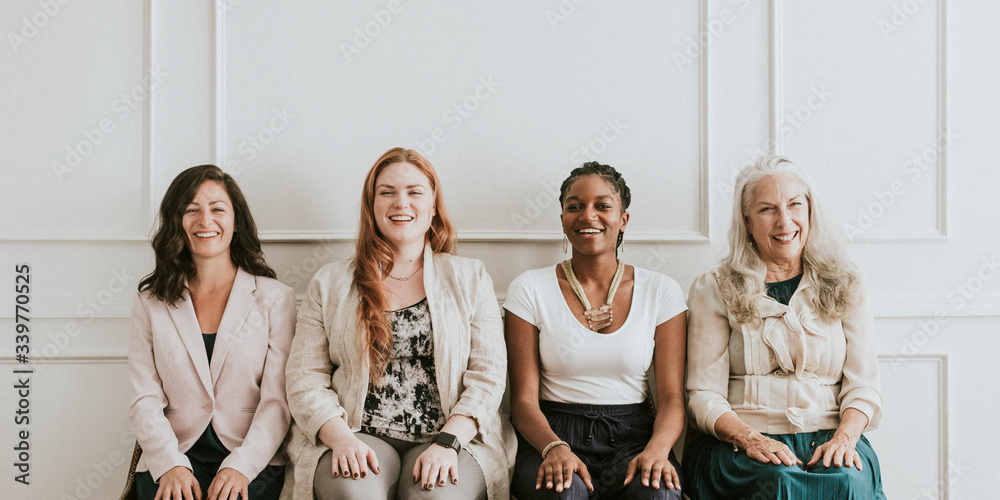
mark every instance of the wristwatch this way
{"type": "Point", "coordinates": [448, 441]}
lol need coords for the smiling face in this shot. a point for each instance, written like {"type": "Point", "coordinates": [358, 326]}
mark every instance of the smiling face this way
{"type": "Point", "coordinates": [778, 219]}
{"type": "Point", "coordinates": [208, 222]}
{"type": "Point", "coordinates": [592, 215]}
{"type": "Point", "coordinates": [404, 204]}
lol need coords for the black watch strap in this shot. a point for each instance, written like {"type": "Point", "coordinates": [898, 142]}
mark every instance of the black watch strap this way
{"type": "Point", "coordinates": [448, 441]}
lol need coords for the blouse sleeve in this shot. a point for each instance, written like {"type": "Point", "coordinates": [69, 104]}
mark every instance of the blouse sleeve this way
{"type": "Point", "coordinates": [708, 354]}
{"type": "Point", "coordinates": [519, 299]}
{"type": "Point", "coordinates": [860, 382]}
{"type": "Point", "coordinates": [311, 398]}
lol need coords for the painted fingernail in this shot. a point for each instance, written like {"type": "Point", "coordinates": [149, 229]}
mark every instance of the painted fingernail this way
{"type": "Point", "coordinates": [454, 481]}
{"type": "Point", "coordinates": [441, 483]}
{"type": "Point", "coordinates": [364, 474]}
{"type": "Point", "coordinates": [355, 475]}
{"type": "Point", "coordinates": [335, 474]}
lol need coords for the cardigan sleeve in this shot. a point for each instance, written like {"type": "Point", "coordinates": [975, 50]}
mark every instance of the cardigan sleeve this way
{"type": "Point", "coordinates": [860, 381]}
{"type": "Point", "coordinates": [311, 398]}
{"type": "Point", "coordinates": [486, 375]}
{"type": "Point", "coordinates": [707, 354]}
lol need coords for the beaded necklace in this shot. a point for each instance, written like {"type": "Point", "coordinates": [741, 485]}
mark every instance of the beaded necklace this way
{"type": "Point", "coordinates": [601, 317]}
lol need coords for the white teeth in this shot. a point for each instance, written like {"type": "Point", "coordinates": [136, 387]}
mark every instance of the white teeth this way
{"type": "Point", "coordinates": [400, 218]}
{"type": "Point", "coordinates": [589, 231]}
{"type": "Point", "coordinates": [206, 235]}
{"type": "Point", "coordinates": [785, 238]}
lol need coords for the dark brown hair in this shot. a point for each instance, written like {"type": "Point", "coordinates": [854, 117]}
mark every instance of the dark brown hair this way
{"type": "Point", "coordinates": [174, 265]}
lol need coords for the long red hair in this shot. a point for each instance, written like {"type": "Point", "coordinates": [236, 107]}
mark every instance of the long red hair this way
{"type": "Point", "coordinates": [373, 257]}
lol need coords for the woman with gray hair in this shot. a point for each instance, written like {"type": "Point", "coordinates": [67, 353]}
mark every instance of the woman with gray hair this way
{"type": "Point", "coordinates": [782, 376]}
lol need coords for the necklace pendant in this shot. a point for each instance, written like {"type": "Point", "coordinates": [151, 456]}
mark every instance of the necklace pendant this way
{"type": "Point", "coordinates": [600, 318]}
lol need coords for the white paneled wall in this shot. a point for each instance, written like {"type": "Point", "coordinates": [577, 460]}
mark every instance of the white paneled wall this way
{"type": "Point", "coordinates": [890, 105]}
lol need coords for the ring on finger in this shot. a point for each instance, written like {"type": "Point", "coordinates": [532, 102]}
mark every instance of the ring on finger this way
{"type": "Point", "coordinates": [775, 447]}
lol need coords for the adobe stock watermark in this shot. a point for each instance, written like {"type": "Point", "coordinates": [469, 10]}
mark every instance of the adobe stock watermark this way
{"type": "Point", "coordinates": [458, 113]}
{"type": "Point", "coordinates": [31, 25]}
{"type": "Point", "coordinates": [100, 471]}
{"type": "Point", "coordinates": [254, 143]}
{"type": "Point", "coordinates": [365, 34]}
{"type": "Point", "coordinates": [534, 206]}
{"type": "Point", "coordinates": [956, 471]}
{"type": "Point", "coordinates": [901, 14]}
{"type": "Point", "coordinates": [958, 297]}
{"type": "Point", "coordinates": [791, 122]}
{"type": "Point", "coordinates": [707, 35]}
{"type": "Point", "coordinates": [94, 135]}
{"type": "Point", "coordinates": [563, 11]}
{"type": "Point", "coordinates": [913, 170]}
{"type": "Point", "coordinates": [121, 282]}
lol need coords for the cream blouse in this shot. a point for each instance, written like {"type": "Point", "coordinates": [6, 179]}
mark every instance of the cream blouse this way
{"type": "Point", "coordinates": [793, 373]}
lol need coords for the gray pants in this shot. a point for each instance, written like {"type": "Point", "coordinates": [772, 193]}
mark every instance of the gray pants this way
{"type": "Point", "coordinates": [396, 460]}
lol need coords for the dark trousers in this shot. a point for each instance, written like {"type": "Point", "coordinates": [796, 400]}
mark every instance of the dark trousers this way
{"type": "Point", "coordinates": [266, 486]}
{"type": "Point", "coordinates": [606, 438]}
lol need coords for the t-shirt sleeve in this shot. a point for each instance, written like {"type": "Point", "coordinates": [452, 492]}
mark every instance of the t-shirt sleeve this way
{"type": "Point", "coordinates": [520, 299]}
{"type": "Point", "coordinates": [671, 299]}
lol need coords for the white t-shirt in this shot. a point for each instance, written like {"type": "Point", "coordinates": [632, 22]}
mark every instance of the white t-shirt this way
{"type": "Point", "coordinates": [581, 366]}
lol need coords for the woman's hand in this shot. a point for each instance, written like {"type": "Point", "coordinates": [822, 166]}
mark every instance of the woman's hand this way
{"type": "Point", "coordinates": [651, 465]}
{"type": "Point", "coordinates": [434, 465]}
{"type": "Point", "coordinates": [557, 470]}
{"type": "Point", "coordinates": [229, 484]}
{"type": "Point", "coordinates": [178, 483]}
{"type": "Point", "coordinates": [839, 451]}
{"type": "Point", "coordinates": [351, 457]}
{"type": "Point", "coordinates": [762, 448]}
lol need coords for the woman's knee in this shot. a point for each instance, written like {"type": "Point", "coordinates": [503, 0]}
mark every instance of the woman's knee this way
{"type": "Point", "coordinates": [373, 486]}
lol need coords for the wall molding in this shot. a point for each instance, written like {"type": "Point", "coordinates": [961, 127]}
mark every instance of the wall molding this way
{"type": "Point", "coordinates": [940, 362]}
{"type": "Point", "coordinates": [701, 234]}
{"type": "Point", "coordinates": [941, 108]}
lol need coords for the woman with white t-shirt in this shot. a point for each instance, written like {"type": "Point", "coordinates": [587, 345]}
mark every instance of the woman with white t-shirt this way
{"type": "Point", "coordinates": [581, 337]}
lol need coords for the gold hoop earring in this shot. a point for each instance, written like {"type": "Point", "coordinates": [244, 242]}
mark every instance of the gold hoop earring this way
{"type": "Point", "coordinates": [565, 244]}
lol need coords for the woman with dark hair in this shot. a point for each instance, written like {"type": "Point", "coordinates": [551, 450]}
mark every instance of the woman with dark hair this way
{"type": "Point", "coordinates": [581, 338]}
{"type": "Point", "coordinates": [782, 374]}
{"type": "Point", "coordinates": [397, 369]}
{"type": "Point", "coordinates": [210, 333]}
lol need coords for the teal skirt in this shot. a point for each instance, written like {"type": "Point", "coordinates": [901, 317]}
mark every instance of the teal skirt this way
{"type": "Point", "coordinates": [713, 471]}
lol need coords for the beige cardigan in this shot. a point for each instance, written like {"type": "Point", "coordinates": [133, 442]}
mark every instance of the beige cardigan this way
{"type": "Point", "coordinates": [793, 373]}
{"type": "Point", "coordinates": [328, 378]}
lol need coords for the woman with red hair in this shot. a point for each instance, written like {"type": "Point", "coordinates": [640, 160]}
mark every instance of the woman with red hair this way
{"type": "Point", "coordinates": [397, 368]}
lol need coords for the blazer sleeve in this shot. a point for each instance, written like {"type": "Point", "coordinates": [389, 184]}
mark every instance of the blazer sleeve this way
{"type": "Point", "coordinates": [311, 397]}
{"type": "Point", "coordinates": [860, 381]}
{"type": "Point", "coordinates": [152, 429]}
{"type": "Point", "coordinates": [271, 418]}
{"type": "Point", "coordinates": [707, 354]}
{"type": "Point", "coordinates": [485, 377]}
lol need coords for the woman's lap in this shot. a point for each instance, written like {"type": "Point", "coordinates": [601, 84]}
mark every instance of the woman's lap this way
{"type": "Point", "coordinates": [605, 438]}
{"type": "Point", "coordinates": [713, 470]}
{"type": "Point", "coordinates": [266, 486]}
{"type": "Point", "coordinates": [396, 475]}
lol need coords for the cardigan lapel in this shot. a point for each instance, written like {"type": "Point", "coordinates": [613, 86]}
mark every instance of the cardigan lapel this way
{"type": "Point", "coordinates": [241, 300]}
{"type": "Point", "coordinates": [189, 331]}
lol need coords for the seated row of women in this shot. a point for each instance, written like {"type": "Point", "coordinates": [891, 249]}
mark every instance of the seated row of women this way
{"type": "Point", "coordinates": [390, 381]}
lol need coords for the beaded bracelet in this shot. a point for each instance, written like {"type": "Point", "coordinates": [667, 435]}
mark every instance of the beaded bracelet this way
{"type": "Point", "coordinates": [551, 445]}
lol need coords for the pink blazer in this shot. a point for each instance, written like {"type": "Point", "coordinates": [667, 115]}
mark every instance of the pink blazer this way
{"type": "Point", "coordinates": [175, 394]}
